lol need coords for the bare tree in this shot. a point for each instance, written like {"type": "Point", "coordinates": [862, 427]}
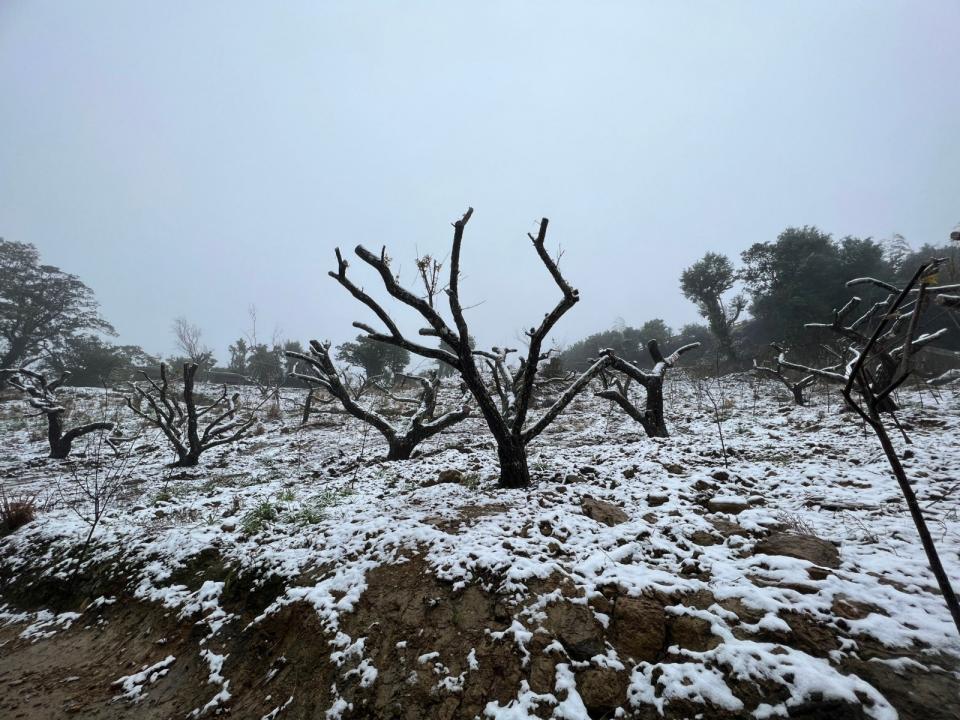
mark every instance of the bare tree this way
{"type": "Point", "coordinates": [507, 423]}
{"type": "Point", "coordinates": [189, 343]}
{"type": "Point", "coordinates": [42, 395]}
{"type": "Point", "coordinates": [889, 348]}
{"type": "Point", "coordinates": [99, 486]}
{"type": "Point", "coordinates": [796, 387]}
{"type": "Point", "coordinates": [179, 417]}
{"type": "Point", "coordinates": [618, 390]}
{"type": "Point", "coordinates": [872, 396]}
{"type": "Point", "coordinates": [881, 353]}
{"type": "Point", "coordinates": [401, 439]}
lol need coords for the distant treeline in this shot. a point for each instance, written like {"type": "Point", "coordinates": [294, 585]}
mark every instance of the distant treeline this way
{"type": "Point", "coordinates": [50, 318]}
{"type": "Point", "coordinates": [778, 288]}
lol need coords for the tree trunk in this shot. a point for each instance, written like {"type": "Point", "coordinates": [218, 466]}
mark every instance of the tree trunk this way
{"type": "Point", "coordinates": [933, 557]}
{"type": "Point", "coordinates": [307, 407]}
{"type": "Point", "coordinates": [58, 448]}
{"type": "Point", "coordinates": [655, 426]}
{"type": "Point", "coordinates": [797, 394]}
{"type": "Point", "coordinates": [402, 448]}
{"type": "Point", "coordinates": [514, 472]}
{"type": "Point", "coordinates": [189, 459]}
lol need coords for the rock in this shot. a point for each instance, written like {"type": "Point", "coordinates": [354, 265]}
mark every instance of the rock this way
{"type": "Point", "coordinates": [638, 628]}
{"type": "Point", "coordinates": [727, 528]}
{"type": "Point", "coordinates": [542, 674]}
{"type": "Point", "coordinates": [703, 538]}
{"type": "Point", "coordinates": [630, 473]}
{"type": "Point", "coordinates": [817, 573]}
{"type": "Point", "coordinates": [603, 512]}
{"type": "Point", "coordinates": [450, 475]}
{"type": "Point", "coordinates": [572, 478]}
{"type": "Point", "coordinates": [577, 630]}
{"type": "Point", "coordinates": [720, 475]}
{"type": "Point", "coordinates": [657, 500]}
{"type": "Point", "coordinates": [588, 470]}
{"type": "Point", "coordinates": [757, 500]}
{"type": "Point", "coordinates": [703, 485]}
{"type": "Point", "coordinates": [803, 547]}
{"type": "Point", "coordinates": [602, 690]}
{"type": "Point", "coordinates": [693, 633]}
{"type": "Point", "coordinates": [851, 609]}
{"type": "Point", "coordinates": [228, 525]}
{"type": "Point", "coordinates": [673, 468]}
{"type": "Point", "coordinates": [727, 504]}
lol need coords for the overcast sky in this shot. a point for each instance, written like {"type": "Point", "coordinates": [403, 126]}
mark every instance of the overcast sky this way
{"type": "Point", "coordinates": [193, 158]}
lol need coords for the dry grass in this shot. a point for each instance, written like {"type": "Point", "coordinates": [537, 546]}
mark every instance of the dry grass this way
{"type": "Point", "coordinates": [16, 511]}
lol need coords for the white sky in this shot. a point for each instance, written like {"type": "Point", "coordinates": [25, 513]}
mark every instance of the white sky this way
{"type": "Point", "coordinates": [194, 158]}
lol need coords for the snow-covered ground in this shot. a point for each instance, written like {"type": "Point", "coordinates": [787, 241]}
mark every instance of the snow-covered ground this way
{"type": "Point", "coordinates": [613, 515]}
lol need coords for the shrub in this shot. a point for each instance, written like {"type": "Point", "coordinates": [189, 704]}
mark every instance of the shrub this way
{"type": "Point", "coordinates": [273, 412]}
{"type": "Point", "coordinates": [15, 512]}
{"type": "Point", "coordinates": [258, 518]}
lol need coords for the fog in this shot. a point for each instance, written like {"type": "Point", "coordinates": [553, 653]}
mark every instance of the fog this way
{"type": "Point", "coordinates": [194, 159]}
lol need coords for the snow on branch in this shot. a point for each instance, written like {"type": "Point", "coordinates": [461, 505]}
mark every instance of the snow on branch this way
{"type": "Point", "coordinates": [796, 387]}
{"type": "Point", "coordinates": [42, 395]}
{"type": "Point", "coordinates": [651, 417]}
{"type": "Point", "coordinates": [178, 416]}
{"type": "Point", "coordinates": [402, 440]}
{"type": "Point", "coordinates": [505, 401]}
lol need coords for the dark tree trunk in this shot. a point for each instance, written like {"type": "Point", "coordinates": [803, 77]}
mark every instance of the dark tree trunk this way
{"type": "Point", "coordinates": [916, 513]}
{"type": "Point", "coordinates": [656, 425]}
{"type": "Point", "coordinates": [59, 448]}
{"type": "Point", "coordinates": [797, 394]}
{"type": "Point", "coordinates": [307, 407]}
{"type": "Point", "coordinates": [62, 443]}
{"type": "Point", "coordinates": [514, 472]}
{"type": "Point", "coordinates": [651, 419]}
{"type": "Point", "coordinates": [402, 448]}
{"type": "Point", "coordinates": [190, 459]}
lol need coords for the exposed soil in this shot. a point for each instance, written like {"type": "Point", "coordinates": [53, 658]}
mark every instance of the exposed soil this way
{"type": "Point", "coordinates": [438, 653]}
